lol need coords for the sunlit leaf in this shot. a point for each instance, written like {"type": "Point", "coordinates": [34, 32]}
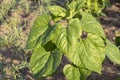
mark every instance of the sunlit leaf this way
{"type": "Point", "coordinates": [89, 24]}
{"type": "Point", "coordinates": [44, 63]}
{"type": "Point", "coordinates": [71, 72]}
{"type": "Point", "coordinates": [92, 53]}
{"type": "Point", "coordinates": [112, 52]}
{"type": "Point", "coordinates": [57, 11]}
{"type": "Point", "coordinates": [84, 73]}
{"type": "Point", "coordinates": [39, 27]}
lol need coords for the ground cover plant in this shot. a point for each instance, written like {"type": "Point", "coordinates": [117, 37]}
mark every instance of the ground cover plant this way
{"type": "Point", "coordinates": [95, 7]}
{"type": "Point", "coordinates": [71, 32]}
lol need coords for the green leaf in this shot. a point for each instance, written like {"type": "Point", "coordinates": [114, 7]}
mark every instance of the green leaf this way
{"type": "Point", "coordinates": [61, 41]}
{"type": "Point", "coordinates": [80, 4]}
{"type": "Point", "coordinates": [92, 52]}
{"type": "Point", "coordinates": [57, 11]}
{"type": "Point", "coordinates": [39, 27]}
{"type": "Point", "coordinates": [76, 5]}
{"type": "Point", "coordinates": [112, 52]}
{"type": "Point", "coordinates": [74, 8]}
{"type": "Point", "coordinates": [56, 19]}
{"type": "Point", "coordinates": [51, 33]}
{"type": "Point", "coordinates": [67, 40]}
{"type": "Point", "coordinates": [84, 73]}
{"type": "Point", "coordinates": [71, 9]}
{"type": "Point", "coordinates": [90, 25]}
{"type": "Point", "coordinates": [44, 63]}
{"type": "Point", "coordinates": [75, 23]}
{"type": "Point", "coordinates": [71, 72]}
{"type": "Point", "coordinates": [99, 43]}
{"type": "Point", "coordinates": [68, 36]}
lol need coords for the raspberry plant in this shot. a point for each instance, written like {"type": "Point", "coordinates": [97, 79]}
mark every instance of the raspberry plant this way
{"type": "Point", "coordinates": [73, 33]}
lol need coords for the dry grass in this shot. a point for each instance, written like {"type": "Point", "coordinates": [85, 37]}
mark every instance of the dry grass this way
{"type": "Point", "coordinates": [16, 19]}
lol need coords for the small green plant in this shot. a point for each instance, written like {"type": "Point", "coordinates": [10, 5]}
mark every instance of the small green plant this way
{"type": "Point", "coordinates": [71, 32]}
{"type": "Point", "coordinates": [95, 7]}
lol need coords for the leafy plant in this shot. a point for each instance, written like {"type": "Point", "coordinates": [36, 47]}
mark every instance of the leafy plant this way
{"type": "Point", "coordinates": [95, 6]}
{"type": "Point", "coordinates": [73, 33]}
